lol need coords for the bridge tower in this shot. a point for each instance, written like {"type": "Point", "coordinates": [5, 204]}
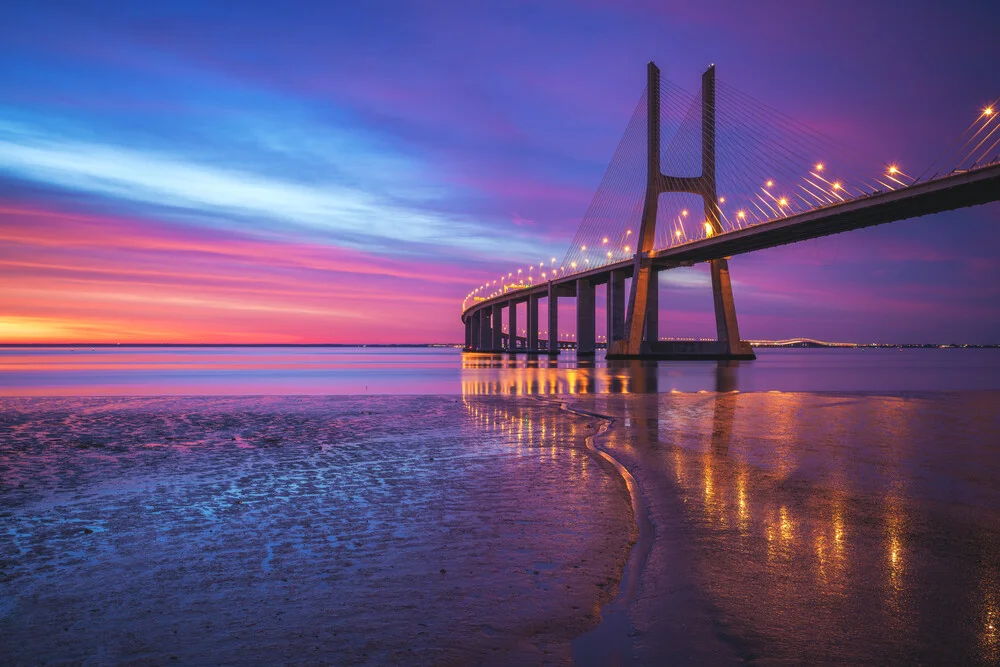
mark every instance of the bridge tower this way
{"type": "Point", "coordinates": [631, 344]}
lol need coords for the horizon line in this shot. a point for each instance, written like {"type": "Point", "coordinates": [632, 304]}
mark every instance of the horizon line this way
{"type": "Point", "coordinates": [787, 342]}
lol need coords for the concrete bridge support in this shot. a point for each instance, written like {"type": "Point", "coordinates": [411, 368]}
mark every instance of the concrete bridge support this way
{"type": "Point", "coordinates": [553, 321]}
{"type": "Point", "coordinates": [533, 323]}
{"type": "Point", "coordinates": [616, 306]}
{"type": "Point", "coordinates": [497, 324]}
{"type": "Point", "coordinates": [512, 325]}
{"type": "Point", "coordinates": [725, 309]}
{"type": "Point", "coordinates": [652, 332]}
{"type": "Point", "coordinates": [485, 333]}
{"type": "Point", "coordinates": [585, 318]}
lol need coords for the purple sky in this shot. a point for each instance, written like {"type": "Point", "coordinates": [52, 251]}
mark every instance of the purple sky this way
{"type": "Point", "coordinates": [347, 172]}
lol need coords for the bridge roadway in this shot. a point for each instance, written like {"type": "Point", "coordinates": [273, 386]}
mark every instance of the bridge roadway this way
{"type": "Point", "coordinates": [957, 190]}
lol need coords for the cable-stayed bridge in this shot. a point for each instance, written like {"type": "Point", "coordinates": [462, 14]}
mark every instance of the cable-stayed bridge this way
{"type": "Point", "coordinates": [700, 178]}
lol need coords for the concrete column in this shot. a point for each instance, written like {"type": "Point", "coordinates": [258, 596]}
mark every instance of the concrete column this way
{"type": "Point", "coordinates": [468, 333]}
{"type": "Point", "coordinates": [553, 320]}
{"type": "Point", "coordinates": [485, 333]}
{"type": "Point", "coordinates": [725, 308]}
{"type": "Point", "coordinates": [533, 322]}
{"type": "Point", "coordinates": [585, 318]}
{"type": "Point", "coordinates": [474, 331]}
{"type": "Point", "coordinates": [616, 306]}
{"type": "Point", "coordinates": [653, 308]}
{"type": "Point", "coordinates": [512, 324]}
{"type": "Point", "coordinates": [497, 323]}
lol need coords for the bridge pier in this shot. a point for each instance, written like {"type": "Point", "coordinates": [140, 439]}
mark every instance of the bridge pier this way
{"type": "Point", "coordinates": [512, 325]}
{"type": "Point", "coordinates": [533, 323]}
{"type": "Point", "coordinates": [727, 329]}
{"type": "Point", "coordinates": [585, 318]}
{"type": "Point", "coordinates": [553, 348]}
{"type": "Point", "coordinates": [496, 321]}
{"type": "Point", "coordinates": [640, 338]}
{"type": "Point", "coordinates": [485, 334]}
{"type": "Point", "coordinates": [652, 332]}
{"type": "Point", "coordinates": [616, 306]}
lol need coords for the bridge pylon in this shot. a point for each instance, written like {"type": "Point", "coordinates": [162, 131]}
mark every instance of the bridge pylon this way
{"type": "Point", "coordinates": [635, 342]}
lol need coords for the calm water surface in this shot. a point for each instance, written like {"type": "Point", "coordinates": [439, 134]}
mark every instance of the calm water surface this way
{"type": "Point", "coordinates": [115, 371]}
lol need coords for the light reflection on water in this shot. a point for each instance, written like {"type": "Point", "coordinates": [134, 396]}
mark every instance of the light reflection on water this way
{"type": "Point", "coordinates": [846, 528]}
{"type": "Point", "coordinates": [224, 371]}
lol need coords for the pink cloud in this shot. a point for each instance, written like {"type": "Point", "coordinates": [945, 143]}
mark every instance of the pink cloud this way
{"type": "Point", "coordinates": [119, 279]}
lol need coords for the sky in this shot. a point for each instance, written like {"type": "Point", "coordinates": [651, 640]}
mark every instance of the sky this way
{"type": "Point", "coordinates": [346, 172]}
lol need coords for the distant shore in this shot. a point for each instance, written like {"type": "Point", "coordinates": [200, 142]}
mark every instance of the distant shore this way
{"type": "Point", "coordinates": [803, 344]}
{"type": "Point", "coordinates": [376, 345]}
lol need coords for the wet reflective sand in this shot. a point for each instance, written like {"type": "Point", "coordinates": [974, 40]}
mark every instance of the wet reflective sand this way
{"type": "Point", "coordinates": [798, 528]}
{"type": "Point", "coordinates": [385, 530]}
{"type": "Point", "coordinates": [850, 517]}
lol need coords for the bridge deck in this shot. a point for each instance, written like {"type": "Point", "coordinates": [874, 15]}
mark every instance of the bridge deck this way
{"type": "Point", "coordinates": [951, 192]}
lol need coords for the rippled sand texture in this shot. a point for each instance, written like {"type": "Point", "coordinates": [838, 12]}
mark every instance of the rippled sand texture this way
{"type": "Point", "coordinates": [267, 530]}
{"type": "Point", "coordinates": [803, 528]}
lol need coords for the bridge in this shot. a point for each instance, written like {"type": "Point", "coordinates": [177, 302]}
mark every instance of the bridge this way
{"type": "Point", "coordinates": [760, 179]}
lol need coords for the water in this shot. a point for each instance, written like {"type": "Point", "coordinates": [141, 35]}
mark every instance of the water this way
{"type": "Point", "coordinates": [225, 371]}
{"type": "Point", "coordinates": [813, 506]}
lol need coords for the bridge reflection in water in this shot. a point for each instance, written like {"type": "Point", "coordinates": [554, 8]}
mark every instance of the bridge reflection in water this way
{"type": "Point", "coordinates": [812, 527]}
{"type": "Point", "coordinates": [489, 374]}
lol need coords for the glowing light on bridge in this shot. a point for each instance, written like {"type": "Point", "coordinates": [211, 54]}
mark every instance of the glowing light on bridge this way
{"type": "Point", "coordinates": [807, 184]}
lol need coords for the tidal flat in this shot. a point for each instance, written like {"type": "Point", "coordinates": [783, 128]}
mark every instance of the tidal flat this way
{"type": "Point", "coordinates": [267, 530]}
{"type": "Point", "coordinates": [770, 528]}
{"type": "Point", "coordinates": [812, 528]}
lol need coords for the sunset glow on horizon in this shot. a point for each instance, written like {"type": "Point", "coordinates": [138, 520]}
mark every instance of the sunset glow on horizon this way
{"type": "Point", "coordinates": [168, 175]}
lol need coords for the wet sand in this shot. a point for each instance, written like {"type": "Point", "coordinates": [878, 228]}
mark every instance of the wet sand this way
{"type": "Point", "coordinates": [794, 528]}
{"type": "Point", "coordinates": [340, 530]}
{"type": "Point", "coordinates": [776, 528]}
